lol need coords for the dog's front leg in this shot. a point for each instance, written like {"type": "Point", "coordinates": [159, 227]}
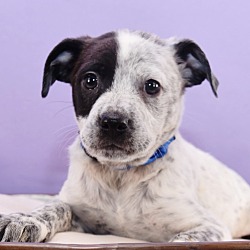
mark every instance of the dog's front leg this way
{"type": "Point", "coordinates": [205, 232]}
{"type": "Point", "coordinates": [38, 226]}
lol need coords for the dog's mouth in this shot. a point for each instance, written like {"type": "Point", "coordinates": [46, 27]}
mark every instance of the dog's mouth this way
{"type": "Point", "coordinates": [112, 147]}
{"type": "Point", "coordinates": [109, 150]}
{"type": "Point", "coordinates": [114, 150]}
{"type": "Point", "coordinates": [116, 155]}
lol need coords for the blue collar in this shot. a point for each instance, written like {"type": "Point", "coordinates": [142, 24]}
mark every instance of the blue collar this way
{"type": "Point", "coordinates": [159, 153]}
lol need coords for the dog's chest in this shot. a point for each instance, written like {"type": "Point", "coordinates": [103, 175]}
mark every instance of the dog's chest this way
{"type": "Point", "coordinates": [109, 212]}
{"type": "Point", "coordinates": [126, 212]}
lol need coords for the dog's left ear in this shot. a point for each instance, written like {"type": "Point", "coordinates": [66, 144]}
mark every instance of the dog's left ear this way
{"type": "Point", "coordinates": [194, 65]}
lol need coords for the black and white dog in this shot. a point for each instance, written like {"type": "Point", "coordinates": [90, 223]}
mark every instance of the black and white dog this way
{"type": "Point", "coordinates": [131, 173]}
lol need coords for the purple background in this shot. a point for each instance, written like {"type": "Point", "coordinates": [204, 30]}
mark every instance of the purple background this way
{"type": "Point", "coordinates": [35, 133]}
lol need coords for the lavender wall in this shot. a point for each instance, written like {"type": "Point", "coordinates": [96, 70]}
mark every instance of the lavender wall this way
{"type": "Point", "coordinates": [35, 133]}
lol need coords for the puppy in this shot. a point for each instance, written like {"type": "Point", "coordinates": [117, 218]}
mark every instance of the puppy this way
{"type": "Point", "coordinates": [131, 173]}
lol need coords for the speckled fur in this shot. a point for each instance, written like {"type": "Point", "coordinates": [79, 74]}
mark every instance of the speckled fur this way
{"type": "Point", "coordinates": [38, 226]}
{"type": "Point", "coordinates": [185, 196]}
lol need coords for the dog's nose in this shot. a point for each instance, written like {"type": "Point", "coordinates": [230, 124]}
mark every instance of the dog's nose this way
{"type": "Point", "coordinates": [113, 122]}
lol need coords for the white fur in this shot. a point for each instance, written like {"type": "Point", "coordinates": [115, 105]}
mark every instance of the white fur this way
{"type": "Point", "coordinates": [64, 57]}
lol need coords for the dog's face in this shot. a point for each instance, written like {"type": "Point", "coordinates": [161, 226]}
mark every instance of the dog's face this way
{"type": "Point", "coordinates": [127, 90]}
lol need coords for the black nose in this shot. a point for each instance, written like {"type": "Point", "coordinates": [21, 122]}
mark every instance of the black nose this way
{"type": "Point", "coordinates": [113, 123]}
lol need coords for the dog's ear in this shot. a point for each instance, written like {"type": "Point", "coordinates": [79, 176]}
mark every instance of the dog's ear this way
{"type": "Point", "coordinates": [60, 63]}
{"type": "Point", "coordinates": [194, 65]}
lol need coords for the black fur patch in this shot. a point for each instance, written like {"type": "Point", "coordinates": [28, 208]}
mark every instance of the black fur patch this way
{"type": "Point", "coordinates": [99, 56]}
{"type": "Point", "coordinates": [71, 59]}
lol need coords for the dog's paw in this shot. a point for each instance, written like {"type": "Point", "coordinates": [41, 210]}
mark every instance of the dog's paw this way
{"type": "Point", "coordinates": [183, 237]}
{"type": "Point", "coordinates": [23, 228]}
{"type": "Point", "coordinates": [198, 236]}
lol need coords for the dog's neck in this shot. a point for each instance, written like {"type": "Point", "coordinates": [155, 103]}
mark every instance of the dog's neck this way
{"type": "Point", "coordinates": [159, 153]}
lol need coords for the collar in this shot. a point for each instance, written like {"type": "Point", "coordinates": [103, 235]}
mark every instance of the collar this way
{"type": "Point", "coordinates": [159, 153]}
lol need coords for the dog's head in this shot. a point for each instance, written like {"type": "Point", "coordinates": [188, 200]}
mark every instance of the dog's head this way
{"type": "Point", "coordinates": [127, 90]}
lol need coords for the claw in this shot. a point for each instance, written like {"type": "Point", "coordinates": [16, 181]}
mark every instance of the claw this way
{"type": "Point", "coordinates": [4, 221]}
{"type": "Point", "coordinates": [19, 228]}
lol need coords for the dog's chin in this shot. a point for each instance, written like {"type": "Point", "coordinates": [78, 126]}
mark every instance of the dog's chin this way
{"type": "Point", "coordinates": [117, 157]}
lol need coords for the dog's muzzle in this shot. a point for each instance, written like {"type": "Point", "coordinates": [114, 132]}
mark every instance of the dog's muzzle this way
{"type": "Point", "coordinates": [159, 153]}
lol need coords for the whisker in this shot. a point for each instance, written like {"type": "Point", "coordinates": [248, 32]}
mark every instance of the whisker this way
{"type": "Point", "coordinates": [66, 141]}
{"type": "Point", "coordinates": [65, 136]}
{"type": "Point", "coordinates": [192, 117]}
{"type": "Point", "coordinates": [66, 129]}
{"type": "Point", "coordinates": [52, 102]}
{"type": "Point", "coordinates": [63, 109]}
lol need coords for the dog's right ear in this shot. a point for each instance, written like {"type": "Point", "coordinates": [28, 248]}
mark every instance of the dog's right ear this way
{"type": "Point", "coordinates": [60, 63]}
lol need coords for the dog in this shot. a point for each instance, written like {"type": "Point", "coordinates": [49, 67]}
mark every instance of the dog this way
{"type": "Point", "coordinates": [131, 173]}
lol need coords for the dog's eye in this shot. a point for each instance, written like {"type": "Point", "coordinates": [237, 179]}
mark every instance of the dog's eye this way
{"type": "Point", "coordinates": [152, 87]}
{"type": "Point", "coordinates": [90, 80]}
